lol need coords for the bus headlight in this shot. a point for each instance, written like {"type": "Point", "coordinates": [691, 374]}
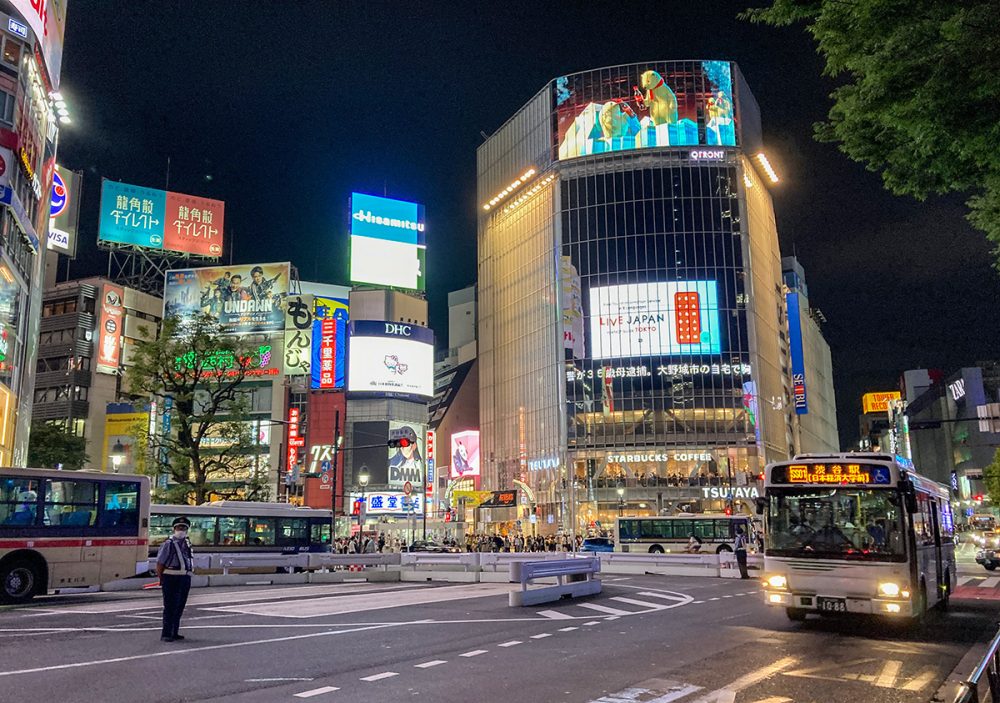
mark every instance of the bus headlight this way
{"type": "Point", "coordinates": [777, 582]}
{"type": "Point", "coordinates": [889, 589]}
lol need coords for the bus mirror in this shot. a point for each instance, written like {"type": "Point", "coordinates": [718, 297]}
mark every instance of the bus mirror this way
{"type": "Point", "coordinates": [761, 504]}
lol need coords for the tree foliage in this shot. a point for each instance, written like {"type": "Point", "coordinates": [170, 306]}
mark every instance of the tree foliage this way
{"type": "Point", "coordinates": [51, 445]}
{"type": "Point", "coordinates": [919, 94]}
{"type": "Point", "coordinates": [991, 477]}
{"type": "Point", "coordinates": [210, 449]}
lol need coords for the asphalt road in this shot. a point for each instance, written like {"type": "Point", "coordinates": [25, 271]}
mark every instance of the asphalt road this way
{"type": "Point", "coordinates": [645, 639]}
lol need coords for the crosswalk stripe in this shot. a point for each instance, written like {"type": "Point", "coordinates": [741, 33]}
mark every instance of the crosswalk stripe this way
{"type": "Point", "coordinates": [554, 615]}
{"type": "Point", "coordinates": [604, 609]}
{"type": "Point", "coordinates": [664, 596]}
{"type": "Point", "coordinates": [887, 677]}
{"type": "Point", "coordinates": [991, 582]}
{"type": "Point", "coordinates": [317, 692]}
{"type": "Point", "coordinates": [640, 603]}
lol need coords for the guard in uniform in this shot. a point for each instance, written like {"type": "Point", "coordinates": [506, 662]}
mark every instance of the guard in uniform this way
{"type": "Point", "coordinates": [174, 566]}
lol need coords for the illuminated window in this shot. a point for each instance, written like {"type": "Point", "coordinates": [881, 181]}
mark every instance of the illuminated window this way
{"type": "Point", "coordinates": [11, 52]}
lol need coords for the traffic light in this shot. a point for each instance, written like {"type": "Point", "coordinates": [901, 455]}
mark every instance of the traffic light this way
{"type": "Point", "coordinates": [399, 443]}
{"type": "Point", "coordinates": [729, 511]}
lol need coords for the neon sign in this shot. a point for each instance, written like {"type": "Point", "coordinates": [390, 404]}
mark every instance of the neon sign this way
{"type": "Point", "coordinates": [224, 362]}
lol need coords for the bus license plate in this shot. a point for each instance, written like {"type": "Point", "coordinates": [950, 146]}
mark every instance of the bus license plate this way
{"type": "Point", "coordinates": [831, 605]}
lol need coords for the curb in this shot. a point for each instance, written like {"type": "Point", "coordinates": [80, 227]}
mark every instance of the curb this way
{"type": "Point", "coordinates": [952, 685]}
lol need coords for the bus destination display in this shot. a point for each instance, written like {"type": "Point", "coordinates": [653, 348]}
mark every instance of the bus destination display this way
{"type": "Point", "coordinates": [832, 473]}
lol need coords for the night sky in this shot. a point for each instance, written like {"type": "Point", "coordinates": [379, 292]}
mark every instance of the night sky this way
{"type": "Point", "coordinates": [281, 109]}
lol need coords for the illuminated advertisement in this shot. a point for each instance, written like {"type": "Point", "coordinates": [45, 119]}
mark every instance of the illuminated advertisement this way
{"type": "Point", "coordinates": [572, 309]}
{"type": "Point", "coordinates": [245, 298]}
{"type": "Point", "coordinates": [795, 350]}
{"type": "Point", "coordinates": [109, 331]}
{"type": "Point", "coordinates": [47, 19]}
{"type": "Point", "coordinates": [64, 213]}
{"type": "Point", "coordinates": [388, 247]}
{"type": "Point", "coordinates": [639, 107]}
{"type": "Point", "coordinates": [159, 219]}
{"type": "Point", "coordinates": [389, 358]}
{"type": "Point", "coordinates": [122, 426]}
{"type": "Point", "coordinates": [329, 342]}
{"type": "Point", "coordinates": [391, 502]}
{"type": "Point", "coordinates": [465, 454]}
{"type": "Point", "coordinates": [660, 318]}
{"type": "Point", "coordinates": [259, 361]}
{"type": "Point", "coordinates": [879, 402]}
{"type": "Point", "coordinates": [406, 464]}
{"type": "Point", "coordinates": [298, 334]}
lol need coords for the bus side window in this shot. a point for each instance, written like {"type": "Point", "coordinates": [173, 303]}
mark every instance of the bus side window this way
{"type": "Point", "coordinates": [232, 531]}
{"type": "Point", "coordinates": [261, 531]}
{"type": "Point", "coordinates": [120, 506]}
{"type": "Point", "coordinates": [18, 501]}
{"type": "Point", "coordinates": [160, 528]}
{"type": "Point", "coordinates": [70, 503]}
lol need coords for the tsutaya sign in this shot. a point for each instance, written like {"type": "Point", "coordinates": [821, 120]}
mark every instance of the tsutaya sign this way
{"type": "Point", "coordinates": [730, 493]}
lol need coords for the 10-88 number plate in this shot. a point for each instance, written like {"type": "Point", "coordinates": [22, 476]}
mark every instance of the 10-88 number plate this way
{"type": "Point", "coordinates": [831, 605]}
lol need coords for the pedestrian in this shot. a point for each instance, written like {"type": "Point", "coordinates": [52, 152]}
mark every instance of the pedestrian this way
{"type": "Point", "coordinates": [740, 547]}
{"type": "Point", "coordinates": [174, 566]}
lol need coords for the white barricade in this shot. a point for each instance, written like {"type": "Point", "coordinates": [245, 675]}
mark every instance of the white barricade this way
{"type": "Point", "coordinates": [423, 560]}
{"type": "Point", "coordinates": [574, 578]}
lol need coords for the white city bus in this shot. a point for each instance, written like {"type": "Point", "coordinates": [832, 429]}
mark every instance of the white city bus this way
{"type": "Point", "coordinates": [62, 529]}
{"type": "Point", "coordinates": [856, 533]}
{"type": "Point", "coordinates": [657, 535]}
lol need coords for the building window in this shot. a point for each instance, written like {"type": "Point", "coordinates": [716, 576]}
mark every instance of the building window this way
{"type": "Point", "coordinates": [7, 102]}
{"type": "Point", "coordinates": [11, 52]}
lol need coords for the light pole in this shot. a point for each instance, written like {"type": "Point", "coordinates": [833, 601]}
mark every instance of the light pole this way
{"type": "Point", "coordinates": [621, 500]}
{"type": "Point", "coordinates": [363, 482]}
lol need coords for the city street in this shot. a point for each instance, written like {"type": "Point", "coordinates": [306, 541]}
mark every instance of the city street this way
{"type": "Point", "coordinates": [644, 639]}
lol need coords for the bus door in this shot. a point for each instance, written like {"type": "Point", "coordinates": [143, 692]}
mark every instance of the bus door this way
{"type": "Point", "coordinates": [938, 557]}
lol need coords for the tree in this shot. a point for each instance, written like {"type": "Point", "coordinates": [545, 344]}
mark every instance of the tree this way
{"type": "Point", "coordinates": [51, 445]}
{"type": "Point", "coordinates": [919, 94]}
{"type": "Point", "coordinates": [201, 369]}
{"type": "Point", "coordinates": [991, 477]}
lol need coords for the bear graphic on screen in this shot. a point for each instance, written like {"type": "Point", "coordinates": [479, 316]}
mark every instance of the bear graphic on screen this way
{"type": "Point", "coordinates": [654, 95]}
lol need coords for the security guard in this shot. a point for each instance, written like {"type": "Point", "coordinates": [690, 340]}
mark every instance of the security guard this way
{"type": "Point", "coordinates": [174, 566]}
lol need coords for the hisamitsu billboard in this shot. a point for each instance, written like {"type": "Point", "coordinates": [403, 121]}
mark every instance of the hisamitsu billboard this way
{"type": "Point", "coordinates": [388, 247]}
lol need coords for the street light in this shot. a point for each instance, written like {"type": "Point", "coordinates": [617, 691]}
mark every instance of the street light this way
{"type": "Point", "coordinates": [621, 500]}
{"type": "Point", "coordinates": [363, 482]}
{"type": "Point", "coordinates": [117, 456]}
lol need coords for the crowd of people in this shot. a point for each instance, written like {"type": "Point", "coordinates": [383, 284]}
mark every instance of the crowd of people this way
{"type": "Point", "coordinates": [674, 479]}
{"type": "Point", "coordinates": [519, 543]}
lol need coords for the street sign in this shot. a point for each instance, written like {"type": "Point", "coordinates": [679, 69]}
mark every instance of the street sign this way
{"type": "Point", "coordinates": [407, 488]}
{"type": "Point", "coordinates": [324, 466]}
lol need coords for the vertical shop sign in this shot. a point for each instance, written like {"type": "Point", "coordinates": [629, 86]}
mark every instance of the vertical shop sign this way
{"type": "Point", "coordinates": [109, 333]}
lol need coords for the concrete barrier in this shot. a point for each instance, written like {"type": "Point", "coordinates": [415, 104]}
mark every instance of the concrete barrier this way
{"type": "Point", "coordinates": [574, 578]}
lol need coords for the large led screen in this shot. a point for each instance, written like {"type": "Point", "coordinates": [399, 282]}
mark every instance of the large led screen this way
{"type": "Point", "coordinates": [407, 464]}
{"type": "Point", "coordinates": [387, 242]}
{"type": "Point", "coordinates": [244, 298]}
{"type": "Point", "coordinates": [650, 319]}
{"type": "Point", "coordinates": [390, 359]}
{"type": "Point", "coordinates": [681, 103]}
{"type": "Point", "coordinates": [465, 454]}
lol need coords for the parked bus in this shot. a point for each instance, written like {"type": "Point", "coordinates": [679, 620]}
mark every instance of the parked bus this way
{"type": "Point", "coordinates": [62, 529]}
{"type": "Point", "coordinates": [657, 535]}
{"type": "Point", "coordinates": [856, 533]}
{"type": "Point", "coordinates": [243, 526]}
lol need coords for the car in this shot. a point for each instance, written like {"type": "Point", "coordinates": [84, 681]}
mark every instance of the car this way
{"type": "Point", "coordinates": [598, 544]}
{"type": "Point", "coordinates": [988, 558]}
{"type": "Point", "coordinates": [432, 547]}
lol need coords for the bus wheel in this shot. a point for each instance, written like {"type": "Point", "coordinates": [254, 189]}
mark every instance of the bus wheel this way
{"type": "Point", "coordinates": [723, 548]}
{"type": "Point", "coordinates": [18, 581]}
{"type": "Point", "coordinates": [656, 549]}
{"type": "Point", "coordinates": [795, 614]}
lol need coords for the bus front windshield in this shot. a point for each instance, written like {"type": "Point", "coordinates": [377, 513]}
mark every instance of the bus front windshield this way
{"type": "Point", "coordinates": [838, 523]}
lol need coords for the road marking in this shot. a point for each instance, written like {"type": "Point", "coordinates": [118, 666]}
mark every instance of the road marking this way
{"type": "Point", "coordinates": [713, 599]}
{"type": "Point", "coordinates": [640, 603]}
{"type": "Point", "coordinates": [920, 681]}
{"type": "Point", "coordinates": [775, 699]}
{"type": "Point", "coordinates": [512, 643]}
{"type": "Point", "coordinates": [604, 609]}
{"type": "Point", "coordinates": [965, 579]}
{"type": "Point", "coordinates": [317, 692]}
{"type": "Point", "coordinates": [428, 665]}
{"type": "Point", "coordinates": [293, 678]}
{"type": "Point", "coordinates": [554, 615]}
{"type": "Point", "coordinates": [887, 677]}
{"type": "Point", "coordinates": [474, 653]}
{"type": "Point", "coordinates": [676, 597]}
{"type": "Point", "coordinates": [379, 677]}
{"type": "Point", "coordinates": [727, 596]}
{"type": "Point", "coordinates": [727, 694]}
{"type": "Point", "coordinates": [192, 650]}
{"type": "Point", "coordinates": [990, 582]}
{"type": "Point", "coordinates": [568, 629]}
{"type": "Point", "coordinates": [811, 672]}
{"type": "Point", "coordinates": [541, 636]}
{"type": "Point", "coordinates": [670, 690]}
{"type": "Point", "coordinates": [698, 602]}
{"type": "Point", "coordinates": [592, 622]}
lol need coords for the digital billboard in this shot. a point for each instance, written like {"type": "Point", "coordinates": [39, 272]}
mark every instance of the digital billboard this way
{"type": "Point", "coordinates": [162, 220]}
{"type": "Point", "coordinates": [245, 298]}
{"type": "Point", "coordinates": [465, 454]}
{"type": "Point", "coordinates": [329, 342]}
{"type": "Point", "coordinates": [388, 247]}
{"type": "Point", "coordinates": [664, 104]}
{"type": "Point", "coordinates": [406, 464]}
{"type": "Point", "coordinates": [64, 210]}
{"type": "Point", "coordinates": [390, 359]}
{"type": "Point", "coordinates": [659, 318]}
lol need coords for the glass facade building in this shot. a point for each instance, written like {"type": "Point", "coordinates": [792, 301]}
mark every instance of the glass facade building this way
{"type": "Point", "coordinates": [633, 335]}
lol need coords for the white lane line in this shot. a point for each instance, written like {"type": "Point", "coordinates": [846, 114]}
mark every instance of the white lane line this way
{"type": "Point", "coordinates": [713, 599]}
{"type": "Point", "coordinates": [474, 653]}
{"type": "Point", "coordinates": [990, 582]}
{"type": "Point", "coordinates": [727, 596]}
{"type": "Point", "coordinates": [541, 636]}
{"type": "Point", "coordinates": [640, 603]}
{"type": "Point", "coordinates": [604, 609]}
{"type": "Point", "coordinates": [191, 650]}
{"type": "Point", "coordinates": [289, 678]}
{"type": "Point", "coordinates": [379, 677]}
{"type": "Point", "coordinates": [554, 615]}
{"type": "Point", "coordinates": [512, 643]}
{"type": "Point", "coordinates": [698, 602]}
{"type": "Point", "coordinates": [428, 665]}
{"type": "Point", "coordinates": [317, 692]}
{"type": "Point", "coordinates": [568, 629]}
{"type": "Point", "coordinates": [887, 677]}
{"type": "Point", "coordinates": [592, 622]}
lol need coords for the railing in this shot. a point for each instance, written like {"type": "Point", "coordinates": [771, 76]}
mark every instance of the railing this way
{"type": "Point", "coordinates": [990, 666]}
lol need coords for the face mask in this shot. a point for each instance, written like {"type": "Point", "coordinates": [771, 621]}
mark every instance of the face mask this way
{"type": "Point", "coordinates": [181, 534]}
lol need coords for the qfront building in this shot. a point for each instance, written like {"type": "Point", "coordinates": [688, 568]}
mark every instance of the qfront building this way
{"type": "Point", "coordinates": [634, 350]}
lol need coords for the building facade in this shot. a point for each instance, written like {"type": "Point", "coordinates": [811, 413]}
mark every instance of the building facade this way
{"type": "Point", "coordinates": [632, 322]}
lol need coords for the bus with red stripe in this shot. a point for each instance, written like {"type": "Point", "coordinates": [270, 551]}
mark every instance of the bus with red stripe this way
{"type": "Point", "coordinates": [69, 529]}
